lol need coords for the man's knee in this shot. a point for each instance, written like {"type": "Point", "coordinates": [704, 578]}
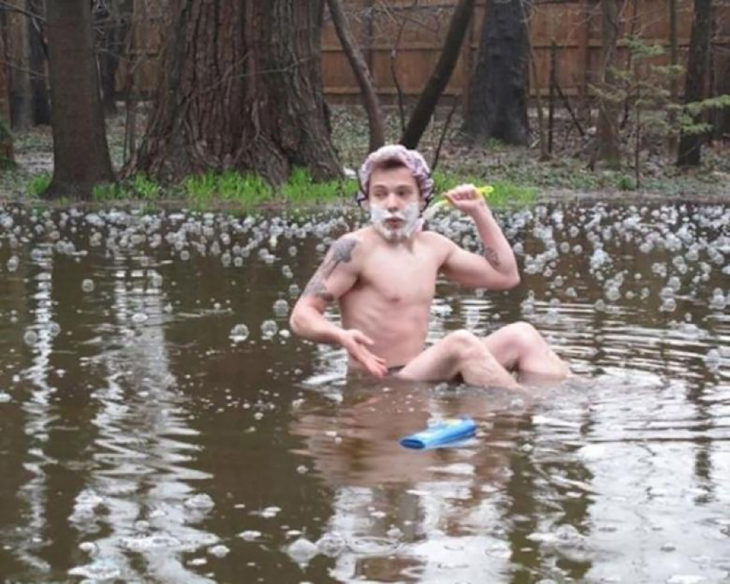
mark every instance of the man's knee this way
{"type": "Point", "coordinates": [465, 346]}
{"type": "Point", "coordinates": [524, 335]}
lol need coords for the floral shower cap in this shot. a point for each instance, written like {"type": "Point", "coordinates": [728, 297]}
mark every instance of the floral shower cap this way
{"type": "Point", "coordinates": [412, 159]}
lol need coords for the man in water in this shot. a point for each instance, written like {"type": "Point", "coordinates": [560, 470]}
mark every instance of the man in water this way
{"type": "Point", "coordinates": [383, 277]}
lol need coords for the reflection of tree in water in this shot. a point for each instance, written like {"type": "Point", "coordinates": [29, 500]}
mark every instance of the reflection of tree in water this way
{"type": "Point", "coordinates": [39, 417]}
{"type": "Point", "coordinates": [138, 477]}
{"type": "Point", "coordinates": [545, 491]}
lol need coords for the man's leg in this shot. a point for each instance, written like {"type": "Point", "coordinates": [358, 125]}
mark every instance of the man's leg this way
{"type": "Point", "coordinates": [459, 353]}
{"type": "Point", "coordinates": [520, 347]}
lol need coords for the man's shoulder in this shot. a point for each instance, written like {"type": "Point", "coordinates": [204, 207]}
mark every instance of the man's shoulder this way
{"type": "Point", "coordinates": [360, 238]}
{"type": "Point", "coordinates": [434, 239]}
{"type": "Point", "coordinates": [351, 246]}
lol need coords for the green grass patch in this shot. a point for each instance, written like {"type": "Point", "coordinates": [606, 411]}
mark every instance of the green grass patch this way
{"type": "Point", "coordinates": [508, 193]}
{"type": "Point", "coordinates": [626, 183]}
{"type": "Point", "coordinates": [505, 192]}
{"type": "Point", "coordinates": [138, 187]}
{"type": "Point", "coordinates": [250, 190]}
{"type": "Point", "coordinates": [145, 188]}
{"type": "Point", "coordinates": [230, 186]}
{"type": "Point", "coordinates": [38, 183]}
{"type": "Point", "coordinates": [104, 192]}
{"type": "Point", "coordinates": [301, 188]}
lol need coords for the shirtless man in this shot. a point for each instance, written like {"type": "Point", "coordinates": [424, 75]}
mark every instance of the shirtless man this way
{"type": "Point", "coordinates": [383, 277]}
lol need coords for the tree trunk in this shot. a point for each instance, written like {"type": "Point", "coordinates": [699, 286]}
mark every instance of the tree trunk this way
{"type": "Point", "coordinates": [497, 106]}
{"type": "Point", "coordinates": [608, 147]}
{"type": "Point", "coordinates": [80, 152]}
{"type": "Point", "coordinates": [362, 74]}
{"type": "Point", "coordinates": [112, 22]}
{"type": "Point", "coordinates": [241, 89]}
{"type": "Point", "coordinates": [722, 121]}
{"type": "Point", "coordinates": [435, 86]}
{"type": "Point", "coordinates": [673, 82]}
{"type": "Point", "coordinates": [6, 142]}
{"type": "Point", "coordinates": [38, 61]}
{"type": "Point", "coordinates": [699, 46]}
{"type": "Point", "coordinates": [21, 103]}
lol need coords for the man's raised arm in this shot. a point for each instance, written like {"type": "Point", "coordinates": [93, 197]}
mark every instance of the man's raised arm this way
{"type": "Point", "coordinates": [497, 269]}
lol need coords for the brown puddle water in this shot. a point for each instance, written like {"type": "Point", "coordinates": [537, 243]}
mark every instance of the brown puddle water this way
{"type": "Point", "coordinates": [145, 435]}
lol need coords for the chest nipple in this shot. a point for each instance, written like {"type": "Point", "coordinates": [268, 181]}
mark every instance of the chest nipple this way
{"type": "Point", "coordinates": [395, 298]}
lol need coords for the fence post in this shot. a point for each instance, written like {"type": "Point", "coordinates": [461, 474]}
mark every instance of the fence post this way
{"type": "Point", "coordinates": [584, 56]}
{"type": "Point", "coordinates": [467, 56]}
{"type": "Point", "coordinates": [551, 93]}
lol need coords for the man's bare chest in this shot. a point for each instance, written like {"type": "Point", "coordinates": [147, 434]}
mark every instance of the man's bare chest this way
{"type": "Point", "coordinates": [400, 280]}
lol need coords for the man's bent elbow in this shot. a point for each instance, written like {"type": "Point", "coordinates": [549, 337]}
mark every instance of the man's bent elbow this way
{"type": "Point", "coordinates": [507, 282]}
{"type": "Point", "coordinates": [295, 323]}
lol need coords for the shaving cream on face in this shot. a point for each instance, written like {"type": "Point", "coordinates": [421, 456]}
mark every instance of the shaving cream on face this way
{"type": "Point", "coordinates": [408, 216]}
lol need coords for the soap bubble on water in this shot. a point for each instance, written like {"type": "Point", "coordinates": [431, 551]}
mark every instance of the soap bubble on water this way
{"type": "Point", "coordinates": [268, 329]}
{"type": "Point", "coordinates": [101, 569]}
{"type": "Point", "coordinates": [674, 283]}
{"type": "Point", "coordinates": [239, 333]}
{"type": "Point", "coordinates": [712, 359]}
{"type": "Point", "coordinates": [89, 547]}
{"type": "Point", "coordinates": [219, 551]}
{"type": "Point", "coordinates": [612, 293]}
{"type": "Point", "coordinates": [250, 535]}
{"type": "Point", "coordinates": [718, 301]}
{"type": "Point", "coordinates": [302, 551]}
{"type": "Point", "coordinates": [281, 307]}
{"type": "Point", "coordinates": [139, 317]}
{"type": "Point", "coordinates": [200, 501]}
{"type": "Point", "coordinates": [331, 544]}
{"type": "Point", "coordinates": [668, 305]}
{"type": "Point", "coordinates": [87, 285]}
{"type": "Point", "coordinates": [666, 293]}
{"type": "Point", "coordinates": [30, 337]}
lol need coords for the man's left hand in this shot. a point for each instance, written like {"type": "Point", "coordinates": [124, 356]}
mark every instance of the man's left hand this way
{"type": "Point", "coordinates": [467, 199]}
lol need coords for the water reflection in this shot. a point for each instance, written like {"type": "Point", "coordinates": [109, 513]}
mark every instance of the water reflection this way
{"type": "Point", "coordinates": [39, 414]}
{"type": "Point", "coordinates": [439, 511]}
{"type": "Point", "coordinates": [142, 440]}
{"type": "Point", "coordinates": [139, 509]}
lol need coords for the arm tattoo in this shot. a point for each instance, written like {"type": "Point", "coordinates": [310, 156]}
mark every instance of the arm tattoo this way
{"type": "Point", "coordinates": [341, 251]}
{"type": "Point", "coordinates": [492, 257]}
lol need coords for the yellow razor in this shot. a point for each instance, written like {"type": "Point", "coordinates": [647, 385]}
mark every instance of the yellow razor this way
{"type": "Point", "coordinates": [443, 202]}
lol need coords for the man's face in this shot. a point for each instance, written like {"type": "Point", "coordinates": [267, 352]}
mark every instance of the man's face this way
{"type": "Point", "coordinates": [395, 202]}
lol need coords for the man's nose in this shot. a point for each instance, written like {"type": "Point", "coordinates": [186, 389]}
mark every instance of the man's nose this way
{"type": "Point", "coordinates": [392, 201]}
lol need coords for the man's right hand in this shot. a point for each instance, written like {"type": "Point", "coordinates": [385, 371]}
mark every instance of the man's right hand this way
{"type": "Point", "coordinates": [356, 343]}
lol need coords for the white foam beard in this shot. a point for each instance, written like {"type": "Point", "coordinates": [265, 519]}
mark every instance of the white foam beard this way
{"type": "Point", "coordinates": [408, 216]}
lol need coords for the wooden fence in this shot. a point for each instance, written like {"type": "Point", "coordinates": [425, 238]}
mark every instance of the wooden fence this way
{"type": "Point", "coordinates": [402, 39]}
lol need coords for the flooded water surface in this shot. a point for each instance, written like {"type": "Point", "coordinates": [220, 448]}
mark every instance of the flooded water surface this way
{"type": "Point", "coordinates": [159, 423]}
